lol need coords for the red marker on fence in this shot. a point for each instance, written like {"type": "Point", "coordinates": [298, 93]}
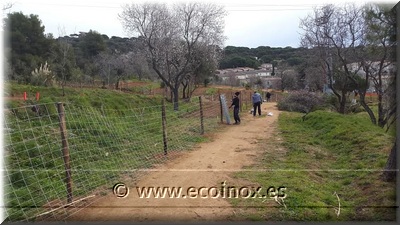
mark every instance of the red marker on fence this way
{"type": "Point", "coordinates": [25, 96]}
{"type": "Point", "coordinates": [37, 96]}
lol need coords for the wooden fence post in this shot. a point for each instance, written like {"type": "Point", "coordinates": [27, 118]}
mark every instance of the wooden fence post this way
{"type": "Point", "coordinates": [65, 150]}
{"type": "Point", "coordinates": [164, 127]}
{"type": "Point", "coordinates": [220, 105]}
{"type": "Point", "coordinates": [201, 117]}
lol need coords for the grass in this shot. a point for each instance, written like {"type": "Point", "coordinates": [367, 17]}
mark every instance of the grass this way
{"type": "Point", "coordinates": [110, 135]}
{"type": "Point", "coordinates": [325, 155]}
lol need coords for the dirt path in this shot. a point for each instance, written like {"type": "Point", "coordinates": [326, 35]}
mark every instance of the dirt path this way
{"type": "Point", "coordinates": [208, 166]}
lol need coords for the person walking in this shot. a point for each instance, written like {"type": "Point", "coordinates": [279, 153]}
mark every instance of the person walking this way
{"type": "Point", "coordinates": [257, 101]}
{"type": "Point", "coordinates": [268, 95]}
{"type": "Point", "coordinates": [236, 107]}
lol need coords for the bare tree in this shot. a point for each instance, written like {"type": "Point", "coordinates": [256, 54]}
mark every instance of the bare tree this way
{"type": "Point", "coordinates": [378, 64]}
{"type": "Point", "coordinates": [389, 21]}
{"type": "Point", "coordinates": [337, 32]}
{"type": "Point", "coordinates": [357, 45]}
{"type": "Point", "coordinates": [314, 72]}
{"type": "Point", "coordinates": [115, 67]}
{"type": "Point", "coordinates": [140, 66]}
{"type": "Point", "coordinates": [204, 69]}
{"type": "Point", "coordinates": [63, 57]}
{"type": "Point", "coordinates": [315, 78]}
{"type": "Point", "coordinates": [7, 6]}
{"type": "Point", "coordinates": [123, 67]}
{"type": "Point", "coordinates": [103, 62]}
{"type": "Point", "coordinates": [172, 34]}
{"type": "Point", "coordinates": [354, 43]}
{"type": "Point", "coordinates": [288, 76]}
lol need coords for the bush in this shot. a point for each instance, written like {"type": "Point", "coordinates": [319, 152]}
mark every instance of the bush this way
{"type": "Point", "coordinates": [43, 76]}
{"type": "Point", "coordinates": [211, 91]}
{"type": "Point", "coordinates": [162, 84]}
{"type": "Point", "coordinates": [349, 107]}
{"type": "Point", "coordinates": [302, 101]}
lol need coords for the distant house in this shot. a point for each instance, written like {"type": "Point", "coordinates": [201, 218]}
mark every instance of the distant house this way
{"type": "Point", "coordinates": [244, 75]}
{"type": "Point", "coordinates": [388, 71]}
{"type": "Point", "coordinates": [266, 66]}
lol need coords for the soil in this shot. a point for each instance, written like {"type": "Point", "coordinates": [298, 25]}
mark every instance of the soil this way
{"type": "Point", "coordinates": [210, 164]}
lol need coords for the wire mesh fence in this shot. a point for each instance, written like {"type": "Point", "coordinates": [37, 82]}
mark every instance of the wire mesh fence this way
{"type": "Point", "coordinates": [59, 154]}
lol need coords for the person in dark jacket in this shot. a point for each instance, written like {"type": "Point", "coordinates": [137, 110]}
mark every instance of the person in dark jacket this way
{"type": "Point", "coordinates": [236, 104]}
{"type": "Point", "coordinates": [268, 95]}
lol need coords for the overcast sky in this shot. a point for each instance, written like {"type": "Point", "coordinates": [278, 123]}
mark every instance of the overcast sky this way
{"type": "Point", "coordinates": [249, 23]}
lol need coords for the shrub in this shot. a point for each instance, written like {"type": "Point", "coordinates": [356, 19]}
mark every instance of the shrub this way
{"type": "Point", "coordinates": [162, 84]}
{"type": "Point", "coordinates": [302, 101]}
{"type": "Point", "coordinates": [211, 91]}
{"type": "Point", "coordinates": [43, 76]}
{"type": "Point", "coordinates": [349, 107]}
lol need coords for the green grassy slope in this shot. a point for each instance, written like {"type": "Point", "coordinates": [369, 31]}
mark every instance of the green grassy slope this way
{"type": "Point", "coordinates": [328, 159]}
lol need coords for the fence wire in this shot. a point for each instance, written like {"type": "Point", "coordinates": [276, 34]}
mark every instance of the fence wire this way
{"type": "Point", "coordinates": [105, 146]}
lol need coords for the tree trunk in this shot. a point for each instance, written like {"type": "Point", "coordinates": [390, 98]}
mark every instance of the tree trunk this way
{"type": "Point", "coordinates": [381, 115]}
{"type": "Point", "coordinates": [63, 88]}
{"type": "Point", "coordinates": [342, 107]}
{"type": "Point", "coordinates": [185, 86]}
{"type": "Point", "coordinates": [139, 75]}
{"type": "Point", "coordinates": [191, 90]}
{"type": "Point", "coordinates": [176, 98]}
{"type": "Point", "coordinates": [188, 95]}
{"type": "Point", "coordinates": [367, 108]}
{"type": "Point", "coordinates": [117, 84]}
{"type": "Point", "coordinates": [63, 82]}
{"type": "Point", "coordinates": [389, 174]}
{"type": "Point", "coordinates": [166, 92]}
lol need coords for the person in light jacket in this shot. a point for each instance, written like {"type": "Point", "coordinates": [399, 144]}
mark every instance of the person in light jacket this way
{"type": "Point", "coordinates": [257, 101]}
